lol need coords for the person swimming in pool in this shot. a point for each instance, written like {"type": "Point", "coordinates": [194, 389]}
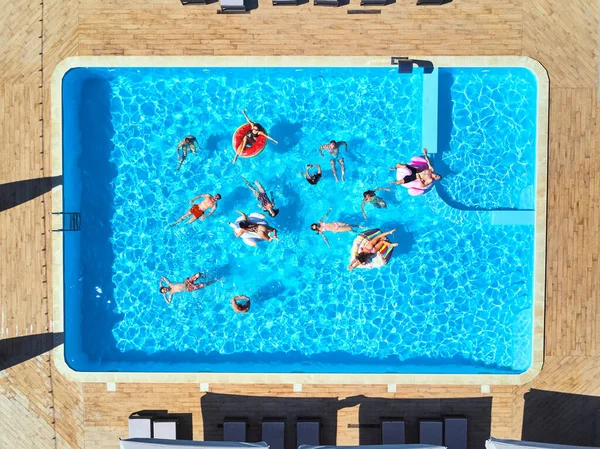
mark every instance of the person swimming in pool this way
{"type": "Point", "coordinates": [264, 202]}
{"type": "Point", "coordinates": [263, 231]}
{"type": "Point", "coordinates": [335, 226]}
{"type": "Point", "coordinates": [250, 138]}
{"type": "Point", "coordinates": [315, 177]}
{"type": "Point", "coordinates": [370, 249]}
{"type": "Point", "coordinates": [198, 210]}
{"type": "Point", "coordinates": [333, 148]}
{"type": "Point", "coordinates": [188, 143]}
{"type": "Point", "coordinates": [371, 197]}
{"type": "Point", "coordinates": [240, 304]}
{"type": "Point", "coordinates": [425, 176]}
{"type": "Point", "coordinates": [168, 289]}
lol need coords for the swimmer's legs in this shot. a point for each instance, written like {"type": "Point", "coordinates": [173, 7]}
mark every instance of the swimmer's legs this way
{"type": "Point", "coordinates": [341, 161]}
{"type": "Point", "coordinates": [183, 217]}
{"type": "Point", "coordinates": [332, 161]}
{"type": "Point", "coordinates": [239, 150]}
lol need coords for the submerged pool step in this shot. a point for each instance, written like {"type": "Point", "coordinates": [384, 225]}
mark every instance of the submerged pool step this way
{"type": "Point", "coordinates": [513, 217]}
{"type": "Point", "coordinates": [429, 135]}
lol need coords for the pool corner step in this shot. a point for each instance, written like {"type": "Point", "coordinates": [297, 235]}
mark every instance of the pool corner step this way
{"type": "Point", "coordinates": [513, 217]}
{"type": "Point", "coordinates": [429, 134]}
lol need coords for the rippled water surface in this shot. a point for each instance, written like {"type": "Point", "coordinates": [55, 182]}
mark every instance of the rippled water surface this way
{"type": "Point", "coordinates": [458, 290]}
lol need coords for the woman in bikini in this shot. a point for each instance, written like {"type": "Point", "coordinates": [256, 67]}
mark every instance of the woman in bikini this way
{"type": "Point", "coordinates": [250, 138]}
{"type": "Point", "coordinates": [371, 197]}
{"type": "Point", "coordinates": [367, 251]}
{"type": "Point", "coordinates": [262, 231]}
{"type": "Point", "coordinates": [168, 288]}
{"type": "Point", "coordinates": [264, 202]}
{"type": "Point", "coordinates": [335, 226]}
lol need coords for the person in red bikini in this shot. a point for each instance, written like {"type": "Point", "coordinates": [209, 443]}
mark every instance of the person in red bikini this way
{"type": "Point", "coordinates": [189, 285]}
{"type": "Point", "coordinates": [198, 210]}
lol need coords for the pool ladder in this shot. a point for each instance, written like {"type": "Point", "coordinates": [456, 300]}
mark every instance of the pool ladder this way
{"type": "Point", "coordinates": [74, 221]}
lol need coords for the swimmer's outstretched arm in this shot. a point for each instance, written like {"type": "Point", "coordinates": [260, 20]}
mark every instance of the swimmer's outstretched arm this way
{"type": "Point", "coordinates": [343, 143]}
{"type": "Point", "coordinates": [325, 216]}
{"type": "Point", "coordinates": [318, 168]}
{"type": "Point", "coordinates": [382, 188]}
{"type": "Point", "coordinates": [246, 115]}
{"type": "Point", "coordinates": [362, 208]}
{"type": "Point", "coordinates": [268, 137]}
{"type": "Point", "coordinates": [325, 238]}
{"type": "Point", "coordinates": [321, 149]}
{"type": "Point", "coordinates": [427, 159]}
{"type": "Point", "coordinates": [212, 282]}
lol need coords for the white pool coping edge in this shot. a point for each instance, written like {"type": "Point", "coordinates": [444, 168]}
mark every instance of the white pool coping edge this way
{"type": "Point", "coordinates": [543, 90]}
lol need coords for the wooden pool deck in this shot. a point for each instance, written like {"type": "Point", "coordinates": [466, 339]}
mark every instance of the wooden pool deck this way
{"type": "Point", "coordinates": [41, 409]}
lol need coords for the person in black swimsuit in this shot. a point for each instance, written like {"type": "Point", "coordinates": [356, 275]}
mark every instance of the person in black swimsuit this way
{"type": "Point", "coordinates": [408, 178]}
{"type": "Point", "coordinates": [315, 177]}
{"type": "Point", "coordinates": [250, 138]}
{"type": "Point", "coordinates": [264, 202]}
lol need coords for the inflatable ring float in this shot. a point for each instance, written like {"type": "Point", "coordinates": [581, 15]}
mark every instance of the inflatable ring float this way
{"type": "Point", "coordinates": [251, 151]}
{"type": "Point", "coordinates": [415, 187]}
{"type": "Point", "coordinates": [241, 308]}
{"type": "Point", "coordinates": [380, 259]}
{"type": "Point", "coordinates": [250, 238]}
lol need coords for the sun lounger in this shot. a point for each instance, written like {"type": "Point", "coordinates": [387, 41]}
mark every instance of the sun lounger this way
{"type": "Point", "coordinates": [431, 432]}
{"type": "Point", "coordinates": [327, 3]}
{"type": "Point", "coordinates": [165, 428]}
{"type": "Point", "coordinates": [196, 2]}
{"type": "Point", "coordinates": [373, 2]}
{"type": "Point", "coordinates": [235, 430]}
{"type": "Point", "coordinates": [432, 2]}
{"type": "Point", "coordinates": [308, 431]}
{"type": "Point", "coordinates": [233, 6]}
{"type": "Point", "coordinates": [140, 426]}
{"type": "Point", "coordinates": [455, 433]}
{"type": "Point", "coordinates": [392, 431]}
{"type": "Point", "coordinates": [285, 2]}
{"type": "Point", "coordinates": [273, 433]}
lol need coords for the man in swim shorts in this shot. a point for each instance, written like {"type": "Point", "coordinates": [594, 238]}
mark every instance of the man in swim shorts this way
{"type": "Point", "coordinates": [198, 210]}
{"type": "Point", "coordinates": [371, 197]}
{"type": "Point", "coordinates": [188, 143]}
{"type": "Point", "coordinates": [333, 148]}
{"type": "Point", "coordinates": [315, 177]}
{"type": "Point", "coordinates": [168, 288]}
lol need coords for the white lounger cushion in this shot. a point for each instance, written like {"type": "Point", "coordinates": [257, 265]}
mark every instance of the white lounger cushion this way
{"type": "Point", "coordinates": [238, 4]}
{"type": "Point", "coordinates": [167, 430]}
{"type": "Point", "coordinates": [392, 432]}
{"type": "Point", "coordinates": [234, 431]}
{"type": "Point", "coordinates": [273, 434]}
{"type": "Point", "coordinates": [455, 433]}
{"type": "Point", "coordinates": [140, 427]}
{"type": "Point", "coordinates": [307, 432]}
{"type": "Point", "coordinates": [431, 432]}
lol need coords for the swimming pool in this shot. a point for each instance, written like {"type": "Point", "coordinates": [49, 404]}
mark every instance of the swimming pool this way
{"type": "Point", "coordinates": [456, 298]}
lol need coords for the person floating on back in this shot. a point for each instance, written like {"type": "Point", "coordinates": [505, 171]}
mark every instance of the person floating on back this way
{"type": "Point", "coordinates": [371, 197]}
{"type": "Point", "coordinates": [335, 226]}
{"type": "Point", "coordinates": [250, 138]}
{"type": "Point", "coordinates": [168, 288]}
{"type": "Point", "coordinates": [198, 210]}
{"type": "Point", "coordinates": [315, 177]}
{"type": "Point", "coordinates": [264, 202]}
{"type": "Point", "coordinates": [333, 148]}
{"type": "Point", "coordinates": [188, 143]}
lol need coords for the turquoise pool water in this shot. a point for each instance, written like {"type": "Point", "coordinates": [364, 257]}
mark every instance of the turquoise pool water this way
{"type": "Point", "coordinates": [455, 298]}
